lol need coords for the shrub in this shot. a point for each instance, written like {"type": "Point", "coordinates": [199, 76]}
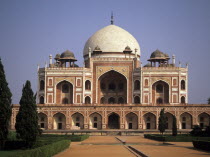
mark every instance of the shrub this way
{"type": "Point", "coordinates": [45, 151]}
{"type": "Point", "coordinates": [204, 145]}
{"type": "Point", "coordinates": [196, 131]}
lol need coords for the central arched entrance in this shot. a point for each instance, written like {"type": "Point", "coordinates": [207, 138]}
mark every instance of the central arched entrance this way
{"type": "Point", "coordinates": [114, 121]}
{"type": "Point", "coordinates": [64, 92]}
{"type": "Point", "coordinates": [112, 88]}
{"type": "Point", "coordinates": [160, 93]}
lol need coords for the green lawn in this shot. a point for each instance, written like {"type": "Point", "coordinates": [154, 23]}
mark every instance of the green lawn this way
{"type": "Point", "coordinates": [45, 144]}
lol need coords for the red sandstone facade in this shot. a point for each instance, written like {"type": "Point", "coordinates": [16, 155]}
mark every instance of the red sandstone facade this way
{"type": "Point", "coordinates": [113, 90]}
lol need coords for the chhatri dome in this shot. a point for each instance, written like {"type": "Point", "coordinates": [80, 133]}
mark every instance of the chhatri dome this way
{"type": "Point", "coordinates": [111, 39]}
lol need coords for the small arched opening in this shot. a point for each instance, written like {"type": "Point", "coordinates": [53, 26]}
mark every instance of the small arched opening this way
{"type": "Point", "coordinates": [87, 85]}
{"type": "Point", "coordinates": [183, 85]}
{"type": "Point", "coordinates": [87, 100]}
{"type": "Point", "coordinates": [136, 100]}
{"type": "Point", "coordinates": [41, 100]}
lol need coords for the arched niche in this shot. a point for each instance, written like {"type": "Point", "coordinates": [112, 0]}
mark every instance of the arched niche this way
{"type": "Point", "coordinates": [160, 93]}
{"type": "Point", "coordinates": [149, 121]}
{"type": "Point", "coordinates": [77, 121]}
{"type": "Point", "coordinates": [95, 121]}
{"type": "Point", "coordinates": [131, 121]}
{"type": "Point", "coordinates": [64, 93]}
{"type": "Point", "coordinates": [112, 85]}
{"type": "Point", "coordinates": [59, 121]}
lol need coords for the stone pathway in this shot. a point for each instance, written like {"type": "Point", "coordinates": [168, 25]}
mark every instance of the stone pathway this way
{"type": "Point", "coordinates": [109, 146]}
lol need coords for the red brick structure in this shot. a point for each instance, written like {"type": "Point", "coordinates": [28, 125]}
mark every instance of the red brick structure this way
{"type": "Point", "coordinates": [113, 90]}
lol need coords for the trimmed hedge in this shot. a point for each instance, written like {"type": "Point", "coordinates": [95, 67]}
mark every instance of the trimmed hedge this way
{"type": "Point", "coordinates": [73, 138]}
{"type": "Point", "coordinates": [46, 150]}
{"type": "Point", "coordinates": [178, 138]}
{"type": "Point", "coordinates": [204, 145]}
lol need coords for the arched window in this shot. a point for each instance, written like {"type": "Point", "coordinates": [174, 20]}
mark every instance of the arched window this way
{"type": "Point", "coordinates": [201, 119]}
{"type": "Point", "coordinates": [159, 88]}
{"type": "Point", "coordinates": [65, 101]}
{"type": "Point", "coordinates": [159, 100]}
{"type": "Point", "coordinates": [112, 86]}
{"type": "Point", "coordinates": [183, 100]}
{"type": "Point", "coordinates": [137, 100]}
{"type": "Point", "coordinates": [102, 100]}
{"type": "Point", "coordinates": [41, 85]}
{"type": "Point", "coordinates": [121, 100]}
{"type": "Point", "coordinates": [41, 100]}
{"type": "Point", "coordinates": [182, 85]}
{"type": "Point", "coordinates": [65, 88]}
{"type": "Point", "coordinates": [87, 100]}
{"type": "Point", "coordinates": [111, 100]}
{"type": "Point", "coordinates": [183, 118]}
{"type": "Point", "coordinates": [137, 85]}
{"type": "Point", "coordinates": [87, 85]}
{"type": "Point", "coordinates": [120, 86]}
{"type": "Point", "coordinates": [148, 119]}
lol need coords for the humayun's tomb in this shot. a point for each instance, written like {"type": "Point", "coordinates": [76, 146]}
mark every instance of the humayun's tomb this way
{"type": "Point", "coordinates": [114, 90]}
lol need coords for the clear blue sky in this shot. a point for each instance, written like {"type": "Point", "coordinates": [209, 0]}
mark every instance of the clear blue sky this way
{"type": "Point", "coordinates": [30, 30]}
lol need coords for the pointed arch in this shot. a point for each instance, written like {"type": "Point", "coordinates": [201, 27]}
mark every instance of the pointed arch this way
{"type": "Point", "coordinates": [113, 121]}
{"type": "Point", "coordinates": [204, 119]}
{"type": "Point", "coordinates": [59, 121]}
{"type": "Point", "coordinates": [42, 120]}
{"type": "Point", "coordinates": [131, 121]}
{"type": "Point", "coordinates": [112, 84]}
{"type": "Point", "coordinates": [149, 121]}
{"type": "Point", "coordinates": [185, 121]}
{"type": "Point", "coordinates": [64, 92]}
{"type": "Point", "coordinates": [77, 121]}
{"type": "Point", "coordinates": [95, 121]}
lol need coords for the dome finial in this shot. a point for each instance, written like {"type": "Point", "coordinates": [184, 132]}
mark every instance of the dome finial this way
{"type": "Point", "coordinates": [112, 18]}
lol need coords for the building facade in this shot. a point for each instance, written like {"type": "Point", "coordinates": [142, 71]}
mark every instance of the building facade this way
{"type": "Point", "coordinates": [114, 90]}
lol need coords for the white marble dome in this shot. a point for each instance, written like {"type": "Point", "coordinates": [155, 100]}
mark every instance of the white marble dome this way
{"type": "Point", "coordinates": [112, 39]}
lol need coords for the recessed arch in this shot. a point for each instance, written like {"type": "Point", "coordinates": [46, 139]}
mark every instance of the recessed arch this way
{"type": "Point", "coordinates": [87, 100]}
{"type": "Point", "coordinates": [41, 99]}
{"type": "Point", "coordinates": [42, 120]}
{"type": "Point", "coordinates": [87, 85]}
{"type": "Point", "coordinates": [137, 100]}
{"type": "Point", "coordinates": [112, 84]}
{"type": "Point", "coordinates": [183, 86]}
{"type": "Point", "coordinates": [185, 121]}
{"type": "Point", "coordinates": [113, 121]}
{"type": "Point", "coordinates": [64, 92]}
{"type": "Point", "coordinates": [59, 121]}
{"type": "Point", "coordinates": [95, 121]}
{"type": "Point", "coordinates": [149, 120]}
{"type": "Point", "coordinates": [204, 120]}
{"type": "Point", "coordinates": [169, 120]}
{"type": "Point", "coordinates": [77, 121]}
{"type": "Point", "coordinates": [183, 100]}
{"type": "Point", "coordinates": [131, 121]}
{"type": "Point", "coordinates": [160, 92]}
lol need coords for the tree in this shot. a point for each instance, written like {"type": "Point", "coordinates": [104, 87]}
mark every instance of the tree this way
{"type": "Point", "coordinates": [174, 127]}
{"type": "Point", "coordinates": [27, 118]}
{"type": "Point", "coordinates": [162, 122]}
{"type": "Point", "coordinates": [5, 106]}
{"type": "Point", "coordinates": [208, 100]}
